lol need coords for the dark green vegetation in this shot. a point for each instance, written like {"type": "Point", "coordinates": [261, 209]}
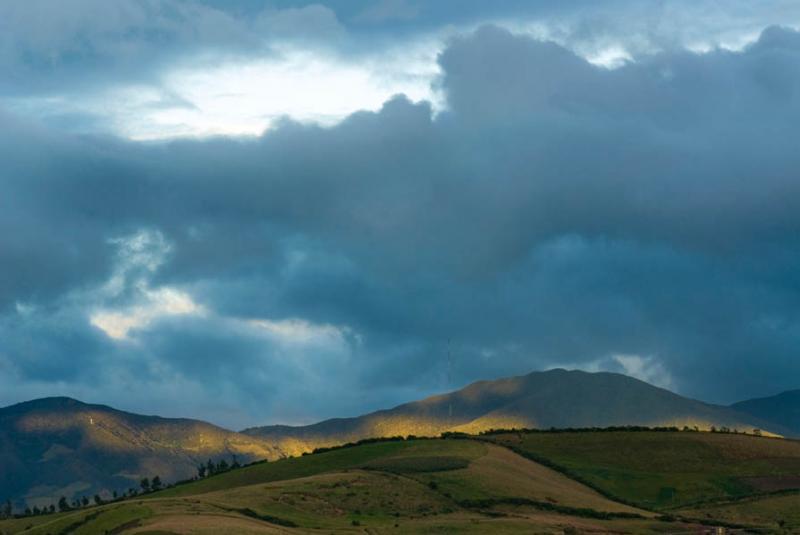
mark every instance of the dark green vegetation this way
{"type": "Point", "coordinates": [556, 398]}
{"type": "Point", "coordinates": [672, 482]}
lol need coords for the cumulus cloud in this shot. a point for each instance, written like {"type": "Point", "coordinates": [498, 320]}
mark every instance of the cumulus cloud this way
{"type": "Point", "coordinates": [641, 218]}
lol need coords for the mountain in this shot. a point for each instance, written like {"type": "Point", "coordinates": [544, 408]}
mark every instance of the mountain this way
{"type": "Point", "coordinates": [556, 398]}
{"type": "Point", "coordinates": [59, 446]}
{"type": "Point", "coordinates": [782, 410]}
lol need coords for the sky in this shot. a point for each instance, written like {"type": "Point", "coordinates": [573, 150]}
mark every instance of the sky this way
{"type": "Point", "coordinates": [256, 212]}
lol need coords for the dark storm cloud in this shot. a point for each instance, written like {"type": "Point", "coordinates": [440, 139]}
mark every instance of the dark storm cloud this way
{"type": "Point", "coordinates": [557, 214]}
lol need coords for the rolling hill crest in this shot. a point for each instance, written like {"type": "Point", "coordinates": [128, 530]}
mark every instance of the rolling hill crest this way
{"type": "Point", "coordinates": [556, 398]}
{"type": "Point", "coordinates": [59, 446]}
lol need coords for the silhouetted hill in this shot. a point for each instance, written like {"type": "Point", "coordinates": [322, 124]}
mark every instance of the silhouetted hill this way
{"type": "Point", "coordinates": [781, 410]}
{"type": "Point", "coordinates": [59, 446]}
{"type": "Point", "coordinates": [555, 398]}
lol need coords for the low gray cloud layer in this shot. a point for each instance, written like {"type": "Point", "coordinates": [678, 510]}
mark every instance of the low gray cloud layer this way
{"type": "Point", "coordinates": [557, 213]}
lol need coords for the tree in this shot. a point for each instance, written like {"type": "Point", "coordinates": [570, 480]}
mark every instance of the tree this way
{"type": "Point", "coordinates": [156, 483]}
{"type": "Point", "coordinates": [51, 509]}
{"type": "Point", "coordinates": [84, 501]}
{"type": "Point", "coordinates": [235, 463]}
{"type": "Point", "coordinates": [28, 511]}
{"type": "Point", "coordinates": [211, 468]}
{"type": "Point", "coordinates": [222, 466]}
{"type": "Point", "coordinates": [97, 499]}
{"type": "Point", "coordinates": [201, 471]}
{"type": "Point", "coordinates": [62, 504]}
{"type": "Point", "coordinates": [114, 495]}
{"type": "Point", "coordinates": [8, 510]}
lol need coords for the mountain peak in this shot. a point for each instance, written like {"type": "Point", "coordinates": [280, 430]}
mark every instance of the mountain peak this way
{"type": "Point", "coordinates": [557, 398]}
{"type": "Point", "coordinates": [49, 403]}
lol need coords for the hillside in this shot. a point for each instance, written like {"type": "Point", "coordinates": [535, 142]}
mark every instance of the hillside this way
{"type": "Point", "coordinates": [674, 482]}
{"type": "Point", "coordinates": [667, 470]}
{"type": "Point", "coordinates": [739, 479]}
{"type": "Point", "coordinates": [59, 446]}
{"type": "Point", "coordinates": [782, 410]}
{"type": "Point", "coordinates": [414, 486]}
{"type": "Point", "coordinates": [555, 398]}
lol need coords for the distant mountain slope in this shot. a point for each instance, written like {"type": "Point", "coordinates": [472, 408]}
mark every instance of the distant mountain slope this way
{"type": "Point", "coordinates": [59, 446]}
{"type": "Point", "coordinates": [555, 398]}
{"type": "Point", "coordinates": [782, 410]}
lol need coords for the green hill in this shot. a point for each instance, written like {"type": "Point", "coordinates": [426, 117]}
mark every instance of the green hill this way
{"type": "Point", "coordinates": [666, 470]}
{"type": "Point", "coordinates": [487, 484]}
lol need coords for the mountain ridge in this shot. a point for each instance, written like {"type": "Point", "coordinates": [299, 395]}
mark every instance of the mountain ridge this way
{"type": "Point", "coordinates": [62, 446]}
{"type": "Point", "coordinates": [782, 408]}
{"type": "Point", "coordinates": [554, 398]}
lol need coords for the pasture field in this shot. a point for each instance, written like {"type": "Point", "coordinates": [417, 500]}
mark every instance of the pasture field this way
{"type": "Point", "coordinates": [779, 512]}
{"type": "Point", "coordinates": [458, 486]}
{"type": "Point", "coordinates": [335, 460]}
{"type": "Point", "coordinates": [666, 470]}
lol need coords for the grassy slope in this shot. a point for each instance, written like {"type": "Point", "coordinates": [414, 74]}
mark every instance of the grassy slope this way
{"type": "Point", "coordinates": [663, 470]}
{"type": "Point", "coordinates": [451, 485]}
{"type": "Point", "coordinates": [775, 512]}
{"type": "Point", "coordinates": [336, 460]}
{"type": "Point", "coordinates": [501, 473]}
{"type": "Point", "coordinates": [331, 491]}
